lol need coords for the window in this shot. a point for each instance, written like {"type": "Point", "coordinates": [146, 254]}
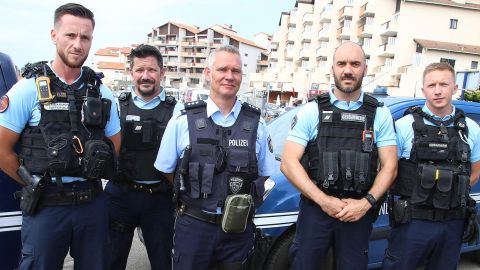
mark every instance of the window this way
{"type": "Point", "coordinates": [474, 65]}
{"type": "Point", "coordinates": [419, 48]}
{"type": "Point", "coordinates": [246, 54]}
{"type": "Point", "coordinates": [453, 23]}
{"type": "Point", "coordinates": [450, 61]}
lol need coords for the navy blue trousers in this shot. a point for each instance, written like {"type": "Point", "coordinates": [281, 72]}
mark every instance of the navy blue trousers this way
{"type": "Point", "coordinates": [437, 244]}
{"type": "Point", "coordinates": [317, 232]}
{"type": "Point", "coordinates": [200, 245]}
{"type": "Point", "coordinates": [48, 235]}
{"type": "Point", "coordinates": [153, 213]}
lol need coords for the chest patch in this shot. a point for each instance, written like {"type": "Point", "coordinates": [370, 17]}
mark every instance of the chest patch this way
{"type": "Point", "coordinates": [235, 184]}
{"type": "Point", "coordinates": [327, 116]}
{"type": "Point", "coordinates": [58, 106]}
{"type": "Point", "coordinates": [353, 117]}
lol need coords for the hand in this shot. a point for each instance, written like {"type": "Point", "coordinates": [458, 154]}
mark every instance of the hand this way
{"type": "Point", "coordinates": [354, 210]}
{"type": "Point", "coordinates": [332, 206]}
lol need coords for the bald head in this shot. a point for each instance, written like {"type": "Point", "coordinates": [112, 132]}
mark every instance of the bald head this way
{"type": "Point", "coordinates": [348, 67]}
{"type": "Point", "coordinates": [347, 48]}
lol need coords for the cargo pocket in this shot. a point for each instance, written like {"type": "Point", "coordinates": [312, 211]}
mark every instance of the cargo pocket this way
{"type": "Point", "coordinates": [441, 198]}
{"type": "Point", "coordinates": [361, 179]}
{"type": "Point", "coordinates": [207, 178]}
{"type": "Point", "coordinates": [422, 190]}
{"type": "Point", "coordinates": [330, 169]}
{"type": "Point", "coordinates": [193, 178]}
{"type": "Point", "coordinates": [238, 161]}
{"type": "Point", "coordinates": [347, 167]}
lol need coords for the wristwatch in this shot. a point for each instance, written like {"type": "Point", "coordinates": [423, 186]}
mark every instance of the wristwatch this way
{"type": "Point", "coordinates": [371, 199]}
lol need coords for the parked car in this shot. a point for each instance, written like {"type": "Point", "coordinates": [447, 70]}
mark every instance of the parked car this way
{"type": "Point", "coordinates": [277, 216]}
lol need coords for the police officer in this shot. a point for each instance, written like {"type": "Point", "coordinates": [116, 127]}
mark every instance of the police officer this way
{"type": "Point", "coordinates": [341, 137]}
{"type": "Point", "coordinates": [439, 151]}
{"type": "Point", "coordinates": [226, 157]}
{"type": "Point", "coordinates": [140, 195]}
{"type": "Point", "coordinates": [68, 128]}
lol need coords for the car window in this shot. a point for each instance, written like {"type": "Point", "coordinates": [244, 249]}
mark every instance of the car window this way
{"type": "Point", "coordinates": [278, 129]}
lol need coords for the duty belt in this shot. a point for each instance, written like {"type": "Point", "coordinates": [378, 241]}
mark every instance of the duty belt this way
{"type": "Point", "coordinates": [70, 198]}
{"type": "Point", "coordinates": [163, 186]}
{"type": "Point", "coordinates": [199, 214]}
{"type": "Point", "coordinates": [438, 214]}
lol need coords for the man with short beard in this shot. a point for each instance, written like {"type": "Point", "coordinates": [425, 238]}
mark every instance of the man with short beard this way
{"type": "Point", "coordinates": [141, 196]}
{"type": "Point", "coordinates": [339, 139]}
{"type": "Point", "coordinates": [68, 132]}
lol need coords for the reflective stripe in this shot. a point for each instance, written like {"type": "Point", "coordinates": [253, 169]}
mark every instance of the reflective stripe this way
{"type": "Point", "coordinates": [273, 220]}
{"type": "Point", "coordinates": [10, 221]}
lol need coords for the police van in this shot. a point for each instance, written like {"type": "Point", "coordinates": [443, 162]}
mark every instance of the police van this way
{"type": "Point", "coordinates": [10, 214]}
{"type": "Point", "coordinates": [277, 216]}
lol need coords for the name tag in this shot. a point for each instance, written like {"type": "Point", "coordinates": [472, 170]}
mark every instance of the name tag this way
{"type": "Point", "coordinates": [59, 106]}
{"type": "Point", "coordinates": [353, 117]}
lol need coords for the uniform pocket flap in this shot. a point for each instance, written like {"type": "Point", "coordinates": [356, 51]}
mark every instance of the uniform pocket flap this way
{"type": "Point", "coordinates": [428, 176]}
{"type": "Point", "coordinates": [444, 181]}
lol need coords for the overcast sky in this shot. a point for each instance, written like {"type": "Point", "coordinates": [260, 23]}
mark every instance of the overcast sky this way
{"type": "Point", "coordinates": [25, 24]}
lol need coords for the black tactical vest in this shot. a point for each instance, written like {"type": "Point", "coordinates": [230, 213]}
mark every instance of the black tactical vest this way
{"type": "Point", "coordinates": [438, 172]}
{"type": "Point", "coordinates": [342, 160]}
{"type": "Point", "coordinates": [56, 146]}
{"type": "Point", "coordinates": [223, 159]}
{"type": "Point", "coordinates": [142, 132]}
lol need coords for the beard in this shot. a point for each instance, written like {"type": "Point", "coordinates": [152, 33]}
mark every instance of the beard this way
{"type": "Point", "coordinates": [348, 90]}
{"type": "Point", "coordinates": [146, 92]}
{"type": "Point", "coordinates": [71, 64]}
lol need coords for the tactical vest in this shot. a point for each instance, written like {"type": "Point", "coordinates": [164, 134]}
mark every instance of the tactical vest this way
{"type": "Point", "coordinates": [342, 160]}
{"type": "Point", "coordinates": [64, 141]}
{"type": "Point", "coordinates": [437, 176]}
{"type": "Point", "coordinates": [223, 159]}
{"type": "Point", "coordinates": [142, 132]}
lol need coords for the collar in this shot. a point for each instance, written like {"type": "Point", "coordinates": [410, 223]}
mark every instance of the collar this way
{"type": "Point", "coordinates": [426, 110]}
{"type": "Point", "coordinates": [213, 108]}
{"type": "Point", "coordinates": [61, 79]}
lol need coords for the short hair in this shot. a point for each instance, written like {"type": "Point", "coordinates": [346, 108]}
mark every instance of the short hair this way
{"type": "Point", "coordinates": [223, 48]}
{"type": "Point", "coordinates": [75, 10]}
{"type": "Point", "coordinates": [143, 51]}
{"type": "Point", "coordinates": [438, 66]}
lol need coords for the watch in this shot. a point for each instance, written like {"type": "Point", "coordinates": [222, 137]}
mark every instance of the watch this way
{"type": "Point", "coordinates": [371, 199]}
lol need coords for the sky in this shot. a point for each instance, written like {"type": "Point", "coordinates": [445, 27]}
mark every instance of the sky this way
{"type": "Point", "coordinates": [25, 24]}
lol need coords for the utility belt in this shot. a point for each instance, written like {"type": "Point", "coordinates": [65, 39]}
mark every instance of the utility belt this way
{"type": "Point", "coordinates": [161, 187]}
{"type": "Point", "coordinates": [402, 212]}
{"type": "Point", "coordinates": [84, 195]}
{"type": "Point", "coordinates": [237, 213]}
{"type": "Point", "coordinates": [342, 194]}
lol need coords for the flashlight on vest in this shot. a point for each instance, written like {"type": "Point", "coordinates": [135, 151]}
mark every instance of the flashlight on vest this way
{"type": "Point", "coordinates": [367, 141]}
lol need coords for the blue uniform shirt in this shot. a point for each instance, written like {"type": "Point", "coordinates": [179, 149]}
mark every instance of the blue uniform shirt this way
{"type": "Point", "coordinates": [148, 105]}
{"type": "Point", "coordinates": [176, 138]}
{"type": "Point", "coordinates": [24, 109]}
{"type": "Point", "coordinates": [307, 118]}
{"type": "Point", "coordinates": [405, 134]}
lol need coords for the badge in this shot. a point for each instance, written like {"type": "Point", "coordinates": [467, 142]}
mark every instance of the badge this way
{"type": "Point", "coordinates": [353, 117]}
{"type": "Point", "coordinates": [235, 184]}
{"type": "Point", "coordinates": [327, 116]}
{"type": "Point", "coordinates": [4, 101]}
{"type": "Point", "coordinates": [270, 145]}
{"type": "Point", "coordinates": [294, 122]}
{"type": "Point", "coordinates": [58, 106]}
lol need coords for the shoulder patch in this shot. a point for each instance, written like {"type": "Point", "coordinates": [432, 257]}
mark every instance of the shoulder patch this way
{"type": "Point", "coordinates": [4, 102]}
{"type": "Point", "coordinates": [270, 145]}
{"type": "Point", "coordinates": [294, 122]}
{"type": "Point", "coordinates": [250, 107]}
{"type": "Point", "coordinates": [195, 104]}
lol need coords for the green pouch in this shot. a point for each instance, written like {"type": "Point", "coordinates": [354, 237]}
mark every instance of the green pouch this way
{"type": "Point", "coordinates": [237, 212]}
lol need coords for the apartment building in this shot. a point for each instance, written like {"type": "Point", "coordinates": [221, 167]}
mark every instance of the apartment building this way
{"type": "Point", "coordinates": [399, 37]}
{"type": "Point", "coordinates": [112, 62]}
{"type": "Point", "coordinates": [185, 49]}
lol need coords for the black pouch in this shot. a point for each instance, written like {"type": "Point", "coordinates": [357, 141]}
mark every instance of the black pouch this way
{"type": "Point", "coordinates": [463, 151]}
{"type": "Point", "coordinates": [238, 161]}
{"type": "Point", "coordinates": [193, 179]}
{"type": "Point", "coordinates": [30, 197]}
{"type": "Point", "coordinates": [462, 191]}
{"type": "Point", "coordinates": [361, 177]}
{"type": "Point", "coordinates": [106, 107]}
{"type": "Point", "coordinates": [95, 158]}
{"type": "Point", "coordinates": [208, 171]}
{"type": "Point", "coordinates": [401, 211]}
{"type": "Point", "coordinates": [330, 169]}
{"type": "Point", "coordinates": [422, 190]}
{"type": "Point", "coordinates": [431, 150]}
{"type": "Point", "coordinates": [148, 132]}
{"type": "Point", "coordinates": [92, 112]}
{"type": "Point", "coordinates": [347, 168]}
{"type": "Point", "coordinates": [442, 196]}
{"type": "Point", "coordinates": [61, 154]}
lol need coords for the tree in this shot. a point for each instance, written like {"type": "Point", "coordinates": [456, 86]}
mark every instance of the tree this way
{"type": "Point", "coordinates": [472, 95]}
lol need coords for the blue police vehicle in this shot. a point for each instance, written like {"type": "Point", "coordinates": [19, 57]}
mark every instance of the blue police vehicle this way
{"type": "Point", "coordinates": [10, 215]}
{"type": "Point", "coordinates": [277, 217]}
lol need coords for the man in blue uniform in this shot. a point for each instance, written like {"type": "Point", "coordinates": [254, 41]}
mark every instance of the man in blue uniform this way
{"type": "Point", "coordinates": [339, 139]}
{"type": "Point", "coordinates": [226, 158]}
{"type": "Point", "coordinates": [140, 195]}
{"type": "Point", "coordinates": [439, 152]}
{"type": "Point", "coordinates": [68, 129]}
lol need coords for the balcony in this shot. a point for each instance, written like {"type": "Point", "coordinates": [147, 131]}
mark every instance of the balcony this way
{"type": "Point", "coordinates": [390, 28]}
{"type": "Point", "coordinates": [386, 50]}
{"type": "Point", "coordinates": [323, 35]}
{"type": "Point", "coordinates": [173, 42]}
{"type": "Point", "coordinates": [367, 49]}
{"type": "Point", "coordinates": [343, 33]}
{"type": "Point", "coordinates": [291, 36]}
{"type": "Point", "coordinates": [365, 31]}
{"type": "Point", "coordinates": [366, 11]}
{"type": "Point", "coordinates": [307, 19]}
{"type": "Point", "coordinates": [345, 13]}
{"type": "Point", "coordinates": [262, 63]}
{"type": "Point", "coordinates": [326, 13]}
{"type": "Point", "coordinates": [321, 53]}
{"type": "Point", "coordinates": [306, 36]}
{"type": "Point", "coordinates": [304, 53]}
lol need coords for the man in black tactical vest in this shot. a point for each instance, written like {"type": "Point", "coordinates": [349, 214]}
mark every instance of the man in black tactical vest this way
{"type": "Point", "coordinates": [69, 133]}
{"type": "Point", "coordinates": [225, 159]}
{"type": "Point", "coordinates": [141, 196]}
{"type": "Point", "coordinates": [439, 151]}
{"type": "Point", "coordinates": [339, 140]}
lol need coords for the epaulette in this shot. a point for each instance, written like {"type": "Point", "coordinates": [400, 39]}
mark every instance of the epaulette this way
{"type": "Point", "coordinates": [195, 104]}
{"type": "Point", "coordinates": [170, 100]}
{"type": "Point", "coordinates": [124, 96]}
{"type": "Point", "coordinates": [32, 69]}
{"type": "Point", "coordinates": [371, 100]}
{"type": "Point", "coordinates": [250, 107]}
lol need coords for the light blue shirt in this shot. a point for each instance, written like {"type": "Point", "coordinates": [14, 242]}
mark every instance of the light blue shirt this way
{"type": "Point", "coordinates": [405, 134]}
{"type": "Point", "coordinates": [151, 104]}
{"type": "Point", "coordinates": [24, 109]}
{"type": "Point", "coordinates": [176, 138]}
{"type": "Point", "coordinates": [306, 128]}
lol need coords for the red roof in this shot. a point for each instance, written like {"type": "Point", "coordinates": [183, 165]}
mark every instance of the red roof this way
{"type": "Point", "coordinates": [111, 65]}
